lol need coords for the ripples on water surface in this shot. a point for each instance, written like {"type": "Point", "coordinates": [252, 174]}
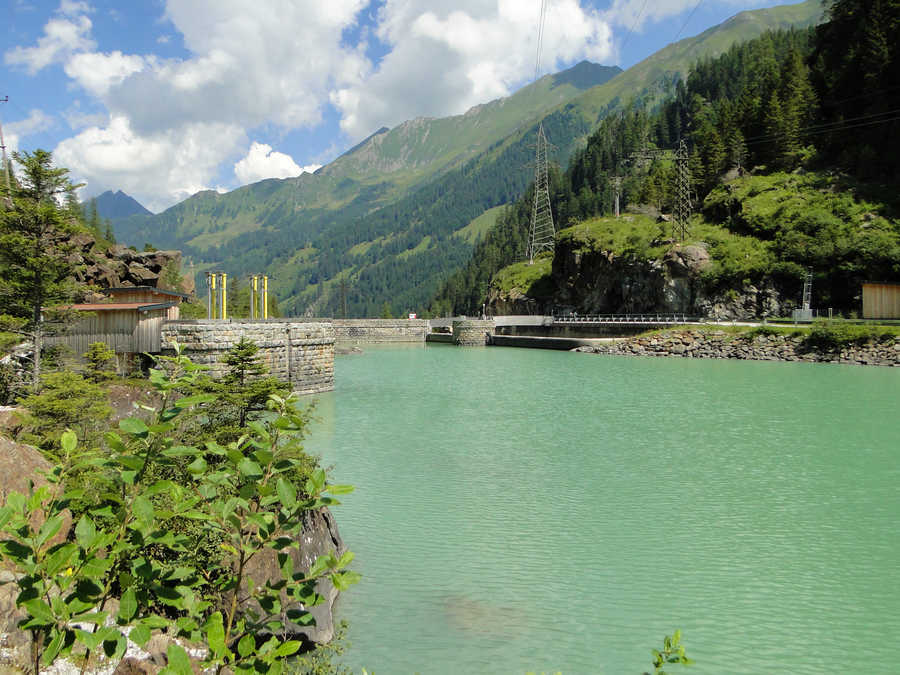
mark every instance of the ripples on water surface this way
{"type": "Point", "coordinates": [526, 510]}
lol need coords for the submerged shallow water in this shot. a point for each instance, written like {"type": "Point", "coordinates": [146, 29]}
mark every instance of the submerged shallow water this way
{"type": "Point", "coordinates": [527, 510]}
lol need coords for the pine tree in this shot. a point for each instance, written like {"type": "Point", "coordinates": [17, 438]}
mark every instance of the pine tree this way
{"type": "Point", "coordinates": [34, 254]}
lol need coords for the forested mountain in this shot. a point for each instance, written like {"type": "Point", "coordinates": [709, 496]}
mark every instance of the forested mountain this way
{"type": "Point", "coordinates": [389, 220]}
{"type": "Point", "coordinates": [787, 175]}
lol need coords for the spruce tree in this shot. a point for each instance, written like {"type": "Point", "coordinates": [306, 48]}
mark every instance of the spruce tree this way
{"type": "Point", "coordinates": [35, 262]}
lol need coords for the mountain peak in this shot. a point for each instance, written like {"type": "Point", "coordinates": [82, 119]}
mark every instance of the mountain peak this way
{"type": "Point", "coordinates": [584, 75]}
{"type": "Point", "coordinates": [118, 204]}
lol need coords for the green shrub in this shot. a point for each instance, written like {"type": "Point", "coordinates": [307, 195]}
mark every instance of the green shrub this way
{"type": "Point", "coordinates": [99, 356]}
{"type": "Point", "coordinates": [124, 545]}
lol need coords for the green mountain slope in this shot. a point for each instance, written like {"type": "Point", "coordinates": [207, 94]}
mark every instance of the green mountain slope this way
{"type": "Point", "coordinates": [389, 220]}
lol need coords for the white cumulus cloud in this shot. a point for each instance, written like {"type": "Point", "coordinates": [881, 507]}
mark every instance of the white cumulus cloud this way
{"type": "Point", "coordinates": [445, 58]}
{"type": "Point", "coordinates": [64, 35]}
{"type": "Point", "coordinates": [97, 72]}
{"type": "Point", "coordinates": [263, 162]}
{"type": "Point", "coordinates": [36, 122]}
{"type": "Point", "coordinates": [158, 168]}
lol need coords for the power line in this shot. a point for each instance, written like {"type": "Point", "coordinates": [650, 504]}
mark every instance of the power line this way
{"type": "Point", "coordinates": [684, 25]}
{"type": "Point", "coordinates": [634, 25]}
{"type": "Point", "coordinates": [818, 129]}
{"type": "Point", "coordinates": [540, 39]}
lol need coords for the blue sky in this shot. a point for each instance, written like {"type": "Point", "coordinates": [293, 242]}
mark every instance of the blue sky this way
{"type": "Point", "coordinates": [162, 98]}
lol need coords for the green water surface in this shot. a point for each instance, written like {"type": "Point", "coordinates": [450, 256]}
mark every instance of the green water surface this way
{"type": "Point", "coordinates": [527, 510]}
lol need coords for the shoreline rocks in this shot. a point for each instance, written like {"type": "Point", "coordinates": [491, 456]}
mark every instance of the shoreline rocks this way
{"type": "Point", "coordinates": [718, 344]}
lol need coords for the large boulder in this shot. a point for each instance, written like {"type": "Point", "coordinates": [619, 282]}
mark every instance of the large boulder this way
{"type": "Point", "coordinates": [320, 537]}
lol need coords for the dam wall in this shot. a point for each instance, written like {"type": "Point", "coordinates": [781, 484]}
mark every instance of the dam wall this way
{"type": "Point", "coordinates": [297, 352]}
{"type": "Point", "coordinates": [362, 331]}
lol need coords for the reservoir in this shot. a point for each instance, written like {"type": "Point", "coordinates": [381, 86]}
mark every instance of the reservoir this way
{"type": "Point", "coordinates": [527, 510]}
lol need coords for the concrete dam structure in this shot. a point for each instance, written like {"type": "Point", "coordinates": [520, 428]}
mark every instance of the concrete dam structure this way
{"type": "Point", "coordinates": [297, 352]}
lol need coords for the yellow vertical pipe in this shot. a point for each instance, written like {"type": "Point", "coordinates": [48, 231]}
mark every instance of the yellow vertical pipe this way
{"type": "Point", "coordinates": [265, 297]}
{"type": "Point", "coordinates": [224, 295]}
{"type": "Point", "coordinates": [212, 291]}
{"type": "Point", "coordinates": [253, 311]}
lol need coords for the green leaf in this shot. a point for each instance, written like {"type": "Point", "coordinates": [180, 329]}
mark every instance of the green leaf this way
{"type": "Point", "coordinates": [140, 635]}
{"type": "Point", "coordinates": [197, 466]}
{"type": "Point", "coordinates": [143, 509]}
{"type": "Point", "coordinates": [340, 489]}
{"type": "Point", "coordinates": [114, 441]}
{"type": "Point", "coordinates": [128, 605]}
{"type": "Point", "coordinates": [286, 492]}
{"type": "Point", "coordinates": [215, 634]}
{"type": "Point", "coordinates": [60, 558]}
{"type": "Point", "coordinates": [53, 648]}
{"type": "Point", "coordinates": [246, 645]}
{"type": "Point", "coordinates": [287, 648]}
{"type": "Point", "coordinates": [134, 426]}
{"type": "Point", "coordinates": [50, 527]}
{"type": "Point", "coordinates": [346, 559]}
{"type": "Point", "coordinates": [180, 451]}
{"type": "Point", "coordinates": [250, 468]}
{"type": "Point", "coordinates": [85, 531]}
{"type": "Point", "coordinates": [179, 662]}
{"type": "Point", "coordinates": [39, 611]}
{"type": "Point", "coordinates": [88, 639]}
{"type": "Point", "coordinates": [68, 441]}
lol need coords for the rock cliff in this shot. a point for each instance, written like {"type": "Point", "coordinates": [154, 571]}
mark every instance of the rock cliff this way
{"type": "Point", "coordinates": [120, 266]}
{"type": "Point", "coordinates": [667, 278]}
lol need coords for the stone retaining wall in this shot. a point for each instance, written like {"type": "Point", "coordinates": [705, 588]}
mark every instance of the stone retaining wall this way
{"type": "Point", "coordinates": [299, 353]}
{"type": "Point", "coordinates": [360, 331]}
{"type": "Point", "coordinates": [720, 345]}
{"type": "Point", "coordinates": [472, 332]}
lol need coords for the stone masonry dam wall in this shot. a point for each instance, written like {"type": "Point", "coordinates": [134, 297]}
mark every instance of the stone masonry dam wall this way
{"type": "Point", "coordinates": [299, 353]}
{"type": "Point", "coordinates": [380, 330]}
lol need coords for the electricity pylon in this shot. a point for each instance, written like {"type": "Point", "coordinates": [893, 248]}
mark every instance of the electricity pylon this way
{"type": "Point", "coordinates": [542, 233]}
{"type": "Point", "coordinates": [683, 206]}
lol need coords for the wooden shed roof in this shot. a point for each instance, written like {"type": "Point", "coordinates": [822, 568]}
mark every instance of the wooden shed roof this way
{"type": "Point", "coordinates": [119, 306]}
{"type": "Point", "coordinates": [161, 291]}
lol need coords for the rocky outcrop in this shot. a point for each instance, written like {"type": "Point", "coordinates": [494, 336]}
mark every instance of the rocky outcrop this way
{"type": "Point", "coordinates": [717, 344]}
{"type": "Point", "coordinates": [591, 280]}
{"type": "Point", "coordinates": [120, 266]}
{"type": "Point", "coordinates": [320, 537]}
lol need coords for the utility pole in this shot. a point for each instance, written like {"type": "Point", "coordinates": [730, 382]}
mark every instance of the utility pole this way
{"type": "Point", "coordinates": [8, 202]}
{"type": "Point", "coordinates": [542, 234]}
{"type": "Point", "coordinates": [683, 205]}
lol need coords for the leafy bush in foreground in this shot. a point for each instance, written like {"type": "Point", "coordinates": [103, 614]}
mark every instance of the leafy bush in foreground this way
{"type": "Point", "coordinates": [239, 492]}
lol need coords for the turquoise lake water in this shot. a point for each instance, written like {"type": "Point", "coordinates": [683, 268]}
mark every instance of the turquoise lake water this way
{"type": "Point", "coordinates": [526, 510]}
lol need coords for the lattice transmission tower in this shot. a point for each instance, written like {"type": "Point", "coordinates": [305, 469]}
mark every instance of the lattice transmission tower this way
{"type": "Point", "coordinates": [683, 206]}
{"type": "Point", "coordinates": [542, 233]}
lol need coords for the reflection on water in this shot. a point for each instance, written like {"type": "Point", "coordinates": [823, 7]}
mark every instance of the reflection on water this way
{"type": "Point", "coordinates": [525, 510]}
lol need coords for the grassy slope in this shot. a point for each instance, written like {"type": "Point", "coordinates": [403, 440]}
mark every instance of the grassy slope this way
{"type": "Point", "coordinates": [480, 225]}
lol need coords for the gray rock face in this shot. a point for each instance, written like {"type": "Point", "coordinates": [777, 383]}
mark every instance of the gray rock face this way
{"type": "Point", "coordinates": [119, 266]}
{"type": "Point", "coordinates": [320, 537]}
{"type": "Point", "coordinates": [594, 281]}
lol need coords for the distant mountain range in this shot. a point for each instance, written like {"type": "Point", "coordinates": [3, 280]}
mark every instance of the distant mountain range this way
{"type": "Point", "coordinates": [118, 205]}
{"type": "Point", "coordinates": [392, 217]}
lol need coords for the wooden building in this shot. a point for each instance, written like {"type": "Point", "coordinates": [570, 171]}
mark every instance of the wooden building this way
{"type": "Point", "coordinates": [130, 324]}
{"type": "Point", "coordinates": [881, 301]}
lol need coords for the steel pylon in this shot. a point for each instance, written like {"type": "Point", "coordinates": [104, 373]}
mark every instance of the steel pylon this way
{"type": "Point", "coordinates": [542, 234]}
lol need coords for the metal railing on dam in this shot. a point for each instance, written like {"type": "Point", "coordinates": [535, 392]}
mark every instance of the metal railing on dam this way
{"type": "Point", "coordinates": [627, 318]}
